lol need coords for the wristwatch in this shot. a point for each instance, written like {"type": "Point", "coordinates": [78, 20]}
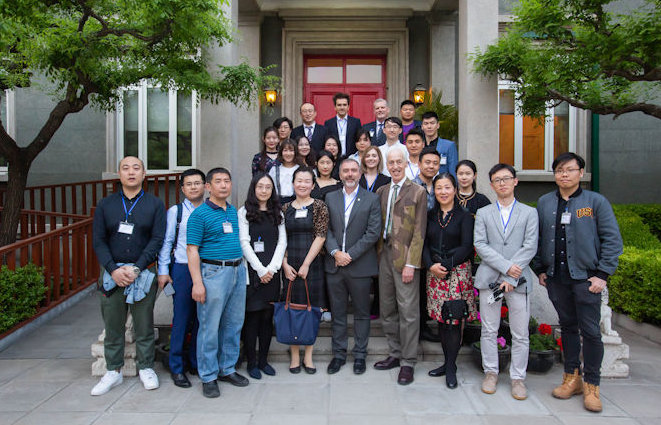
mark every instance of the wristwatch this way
{"type": "Point", "coordinates": [136, 270]}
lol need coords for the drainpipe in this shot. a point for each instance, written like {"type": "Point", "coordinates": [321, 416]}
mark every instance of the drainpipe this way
{"type": "Point", "coordinates": [594, 143]}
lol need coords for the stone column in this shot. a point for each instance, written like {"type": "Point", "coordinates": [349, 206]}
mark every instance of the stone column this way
{"type": "Point", "coordinates": [478, 96]}
{"type": "Point", "coordinates": [443, 52]}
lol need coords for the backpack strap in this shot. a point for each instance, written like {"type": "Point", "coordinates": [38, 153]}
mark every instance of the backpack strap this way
{"type": "Point", "coordinates": [180, 213]}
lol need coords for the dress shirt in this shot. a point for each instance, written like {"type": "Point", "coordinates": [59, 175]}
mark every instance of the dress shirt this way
{"type": "Point", "coordinates": [342, 124]}
{"type": "Point", "coordinates": [431, 198]}
{"type": "Point", "coordinates": [308, 130]}
{"type": "Point", "coordinates": [412, 170]}
{"type": "Point", "coordinates": [349, 201]}
{"type": "Point", "coordinates": [180, 255]}
{"type": "Point", "coordinates": [385, 148]}
{"type": "Point", "coordinates": [505, 213]}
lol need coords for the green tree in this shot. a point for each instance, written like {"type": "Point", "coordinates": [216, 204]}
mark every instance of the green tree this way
{"type": "Point", "coordinates": [581, 52]}
{"type": "Point", "coordinates": [89, 49]}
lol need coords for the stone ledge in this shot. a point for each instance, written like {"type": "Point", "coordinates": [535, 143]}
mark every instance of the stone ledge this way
{"type": "Point", "coordinates": [647, 331]}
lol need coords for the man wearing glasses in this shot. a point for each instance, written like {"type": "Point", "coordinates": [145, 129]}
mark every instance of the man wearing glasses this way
{"type": "Point", "coordinates": [579, 246]}
{"type": "Point", "coordinates": [173, 270]}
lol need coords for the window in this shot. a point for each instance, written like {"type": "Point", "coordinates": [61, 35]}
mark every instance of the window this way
{"type": "Point", "coordinates": [525, 142]}
{"type": "Point", "coordinates": [6, 101]}
{"type": "Point", "coordinates": [158, 127]}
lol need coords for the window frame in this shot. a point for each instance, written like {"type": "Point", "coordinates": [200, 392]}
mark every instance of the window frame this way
{"type": "Point", "coordinates": [142, 89]}
{"type": "Point", "coordinates": [548, 133]}
{"type": "Point", "coordinates": [10, 121]}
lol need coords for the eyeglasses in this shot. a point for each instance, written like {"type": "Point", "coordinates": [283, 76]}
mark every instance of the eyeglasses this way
{"type": "Point", "coordinates": [193, 184]}
{"type": "Point", "coordinates": [567, 171]}
{"type": "Point", "coordinates": [502, 180]}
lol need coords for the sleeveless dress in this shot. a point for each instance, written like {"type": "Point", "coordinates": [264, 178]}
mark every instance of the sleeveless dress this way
{"type": "Point", "coordinates": [259, 295]}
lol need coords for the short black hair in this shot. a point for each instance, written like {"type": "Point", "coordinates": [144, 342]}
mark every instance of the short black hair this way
{"type": "Point", "coordinates": [444, 175]}
{"type": "Point", "coordinates": [278, 122]}
{"type": "Point", "coordinates": [429, 150]}
{"type": "Point", "coordinates": [363, 131]}
{"type": "Point", "coordinates": [416, 131]}
{"type": "Point", "coordinates": [501, 166]}
{"type": "Point", "coordinates": [305, 169]}
{"type": "Point", "coordinates": [430, 114]}
{"type": "Point", "coordinates": [192, 172]}
{"type": "Point", "coordinates": [566, 157]}
{"type": "Point", "coordinates": [218, 170]}
{"type": "Point", "coordinates": [394, 120]}
{"type": "Point", "coordinates": [406, 102]}
{"type": "Point", "coordinates": [340, 95]}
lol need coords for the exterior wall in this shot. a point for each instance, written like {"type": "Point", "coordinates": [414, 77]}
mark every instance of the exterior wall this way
{"type": "Point", "coordinates": [270, 53]}
{"type": "Point", "coordinates": [443, 56]}
{"type": "Point", "coordinates": [419, 44]}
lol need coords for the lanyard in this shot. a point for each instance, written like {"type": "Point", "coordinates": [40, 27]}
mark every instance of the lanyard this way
{"type": "Point", "coordinates": [350, 203]}
{"type": "Point", "coordinates": [371, 187]}
{"type": "Point", "coordinates": [411, 170]}
{"type": "Point", "coordinates": [341, 125]}
{"type": "Point", "coordinates": [508, 217]}
{"type": "Point", "coordinates": [127, 213]}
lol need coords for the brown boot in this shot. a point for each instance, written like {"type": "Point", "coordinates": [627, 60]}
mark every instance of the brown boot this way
{"type": "Point", "coordinates": [591, 399]}
{"type": "Point", "coordinates": [572, 384]}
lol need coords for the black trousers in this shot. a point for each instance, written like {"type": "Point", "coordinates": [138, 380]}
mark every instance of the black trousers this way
{"type": "Point", "coordinates": [258, 326]}
{"type": "Point", "coordinates": [579, 310]}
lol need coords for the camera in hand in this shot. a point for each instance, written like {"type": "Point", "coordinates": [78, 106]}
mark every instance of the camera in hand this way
{"type": "Point", "coordinates": [496, 293]}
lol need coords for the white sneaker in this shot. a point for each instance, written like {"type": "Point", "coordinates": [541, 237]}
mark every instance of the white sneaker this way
{"type": "Point", "coordinates": [149, 378]}
{"type": "Point", "coordinates": [108, 381]}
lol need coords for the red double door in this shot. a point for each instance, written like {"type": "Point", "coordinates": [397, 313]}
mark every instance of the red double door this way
{"type": "Point", "coordinates": [361, 77]}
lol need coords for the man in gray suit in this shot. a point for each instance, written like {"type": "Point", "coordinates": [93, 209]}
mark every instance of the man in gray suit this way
{"type": "Point", "coordinates": [353, 229]}
{"type": "Point", "coordinates": [505, 238]}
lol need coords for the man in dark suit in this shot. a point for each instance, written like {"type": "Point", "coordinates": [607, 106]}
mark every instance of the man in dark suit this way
{"type": "Point", "coordinates": [404, 220]}
{"type": "Point", "coordinates": [375, 128]}
{"type": "Point", "coordinates": [315, 133]}
{"type": "Point", "coordinates": [353, 229]}
{"type": "Point", "coordinates": [343, 126]}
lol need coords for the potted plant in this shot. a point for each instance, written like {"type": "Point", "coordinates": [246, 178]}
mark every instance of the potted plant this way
{"type": "Point", "coordinates": [543, 349]}
{"type": "Point", "coordinates": [504, 329]}
{"type": "Point", "coordinates": [504, 351]}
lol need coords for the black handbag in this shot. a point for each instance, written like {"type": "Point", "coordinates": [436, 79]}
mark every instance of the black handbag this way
{"type": "Point", "coordinates": [296, 324]}
{"type": "Point", "coordinates": [454, 310]}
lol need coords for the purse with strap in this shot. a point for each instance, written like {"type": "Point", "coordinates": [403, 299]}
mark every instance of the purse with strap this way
{"type": "Point", "coordinates": [296, 324]}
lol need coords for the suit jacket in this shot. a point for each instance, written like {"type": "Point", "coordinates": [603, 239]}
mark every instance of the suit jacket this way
{"type": "Point", "coordinates": [409, 223]}
{"type": "Point", "coordinates": [353, 125]}
{"type": "Point", "coordinates": [499, 251]}
{"type": "Point", "coordinates": [362, 232]}
{"type": "Point", "coordinates": [318, 136]}
{"type": "Point", "coordinates": [371, 128]}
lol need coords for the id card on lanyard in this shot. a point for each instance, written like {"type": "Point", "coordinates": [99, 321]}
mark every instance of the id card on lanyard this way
{"type": "Point", "coordinates": [124, 226]}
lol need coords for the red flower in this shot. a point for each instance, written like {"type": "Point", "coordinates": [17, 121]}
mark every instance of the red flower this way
{"type": "Point", "coordinates": [544, 329]}
{"type": "Point", "coordinates": [503, 312]}
{"type": "Point", "coordinates": [559, 342]}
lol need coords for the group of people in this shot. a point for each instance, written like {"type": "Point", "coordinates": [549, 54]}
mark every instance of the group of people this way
{"type": "Point", "coordinates": [329, 214]}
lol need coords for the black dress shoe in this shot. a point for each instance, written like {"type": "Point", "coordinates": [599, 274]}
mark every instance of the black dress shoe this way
{"type": "Point", "coordinates": [267, 369]}
{"type": "Point", "coordinates": [405, 376]}
{"type": "Point", "coordinates": [210, 389]}
{"type": "Point", "coordinates": [295, 370]}
{"type": "Point", "coordinates": [235, 379]}
{"type": "Point", "coordinates": [309, 370]}
{"type": "Point", "coordinates": [359, 366]}
{"type": "Point", "coordinates": [389, 363]}
{"type": "Point", "coordinates": [180, 380]}
{"type": "Point", "coordinates": [439, 371]}
{"type": "Point", "coordinates": [335, 365]}
{"type": "Point", "coordinates": [451, 380]}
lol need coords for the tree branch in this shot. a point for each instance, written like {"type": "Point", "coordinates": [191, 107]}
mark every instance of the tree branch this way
{"type": "Point", "coordinates": [646, 108]}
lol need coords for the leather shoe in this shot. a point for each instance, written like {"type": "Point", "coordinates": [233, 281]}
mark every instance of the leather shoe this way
{"type": "Point", "coordinates": [235, 379]}
{"type": "Point", "coordinates": [359, 366]}
{"type": "Point", "coordinates": [254, 372]}
{"type": "Point", "coordinates": [267, 369]}
{"type": "Point", "coordinates": [295, 370]}
{"type": "Point", "coordinates": [309, 370]}
{"type": "Point", "coordinates": [451, 380]}
{"type": "Point", "coordinates": [439, 371]}
{"type": "Point", "coordinates": [180, 380]}
{"type": "Point", "coordinates": [210, 389]}
{"type": "Point", "coordinates": [335, 365]}
{"type": "Point", "coordinates": [389, 363]}
{"type": "Point", "coordinates": [405, 376]}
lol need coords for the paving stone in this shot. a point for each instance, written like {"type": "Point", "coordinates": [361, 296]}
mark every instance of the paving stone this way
{"type": "Point", "coordinates": [507, 420]}
{"type": "Point", "coordinates": [444, 419]}
{"type": "Point", "coordinates": [58, 418]}
{"type": "Point", "coordinates": [595, 419]}
{"type": "Point", "coordinates": [167, 398]}
{"type": "Point", "coordinates": [76, 397]}
{"type": "Point", "coordinates": [294, 399]}
{"type": "Point", "coordinates": [636, 400]}
{"type": "Point", "coordinates": [114, 418]}
{"type": "Point", "coordinates": [371, 419]}
{"type": "Point", "coordinates": [58, 370]}
{"type": "Point", "coordinates": [231, 400]}
{"type": "Point", "coordinates": [266, 419]}
{"type": "Point", "coordinates": [19, 396]}
{"type": "Point", "coordinates": [433, 399]}
{"type": "Point", "coordinates": [502, 402]}
{"type": "Point", "coordinates": [8, 418]}
{"type": "Point", "coordinates": [211, 419]}
{"type": "Point", "coordinates": [363, 399]}
{"type": "Point", "coordinates": [11, 368]}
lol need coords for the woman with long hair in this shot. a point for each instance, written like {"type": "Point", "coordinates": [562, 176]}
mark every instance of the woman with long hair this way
{"type": "Point", "coordinates": [446, 255]}
{"type": "Point", "coordinates": [372, 165]}
{"type": "Point", "coordinates": [325, 183]}
{"type": "Point", "coordinates": [467, 195]}
{"type": "Point", "coordinates": [306, 221]}
{"type": "Point", "coordinates": [283, 173]}
{"type": "Point", "coordinates": [307, 156]}
{"type": "Point", "coordinates": [284, 127]}
{"type": "Point", "coordinates": [332, 145]}
{"type": "Point", "coordinates": [268, 155]}
{"type": "Point", "coordinates": [263, 242]}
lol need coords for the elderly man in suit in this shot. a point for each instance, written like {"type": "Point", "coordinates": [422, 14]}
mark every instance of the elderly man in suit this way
{"type": "Point", "coordinates": [505, 238]}
{"type": "Point", "coordinates": [343, 126]}
{"type": "Point", "coordinates": [353, 230]}
{"type": "Point", "coordinates": [376, 127]}
{"type": "Point", "coordinates": [404, 219]}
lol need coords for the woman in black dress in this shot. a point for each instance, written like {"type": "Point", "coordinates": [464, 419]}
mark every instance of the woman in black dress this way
{"type": "Point", "coordinates": [467, 195]}
{"type": "Point", "coordinates": [268, 155]}
{"type": "Point", "coordinates": [446, 255]}
{"type": "Point", "coordinates": [263, 242]}
{"type": "Point", "coordinates": [332, 145]}
{"type": "Point", "coordinates": [306, 221]}
{"type": "Point", "coordinates": [324, 182]}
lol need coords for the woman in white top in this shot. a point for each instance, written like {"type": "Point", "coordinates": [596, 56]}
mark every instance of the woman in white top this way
{"type": "Point", "coordinates": [283, 174]}
{"type": "Point", "coordinates": [263, 242]}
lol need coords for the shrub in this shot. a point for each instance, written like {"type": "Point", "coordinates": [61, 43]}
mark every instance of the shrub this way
{"type": "Point", "coordinates": [542, 342]}
{"type": "Point", "coordinates": [21, 291]}
{"type": "Point", "coordinates": [651, 215]}
{"type": "Point", "coordinates": [635, 232]}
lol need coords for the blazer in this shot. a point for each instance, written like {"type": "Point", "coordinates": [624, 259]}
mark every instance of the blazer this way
{"type": "Point", "coordinates": [353, 125]}
{"type": "Point", "coordinates": [499, 251]}
{"type": "Point", "coordinates": [371, 128]}
{"type": "Point", "coordinates": [361, 233]}
{"type": "Point", "coordinates": [409, 223]}
{"type": "Point", "coordinates": [318, 136]}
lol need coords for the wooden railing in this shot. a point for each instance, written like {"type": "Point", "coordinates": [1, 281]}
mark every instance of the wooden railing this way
{"type": "Point", "coordinates": [33, 223]}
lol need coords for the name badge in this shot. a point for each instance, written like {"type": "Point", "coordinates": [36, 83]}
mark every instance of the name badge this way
{"type": "Point", "coordinates": [302, 213]}
{"type": "Point", "coordinates": [565, 218]}
{"type": "Point", "coordinates": [259, 246]}
{"type": "Point", "coordinates": [444, 160]}
{"type": "Point", "coordinates": [227, 227]}
{"type": "Point", "coordinates": [125, 227]}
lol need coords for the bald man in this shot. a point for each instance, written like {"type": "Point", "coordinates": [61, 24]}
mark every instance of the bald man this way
{"type": "Point", "coordinates": [314, 132]}
{"type": "Point", "coordinates": [129, 227]}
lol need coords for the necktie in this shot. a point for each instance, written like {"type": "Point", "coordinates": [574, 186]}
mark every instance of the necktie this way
{"type": "Point", "coordinates": [308, 131]}
{"type": "Point", "coordinates": [395, 189]}
{"type": "Point", "coordinates": [379, 130]}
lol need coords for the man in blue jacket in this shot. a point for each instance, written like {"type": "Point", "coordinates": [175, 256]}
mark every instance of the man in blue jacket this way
{"type": "Point", "coordinates": [579, 246]}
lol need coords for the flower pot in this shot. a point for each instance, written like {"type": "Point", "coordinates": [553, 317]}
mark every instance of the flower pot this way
{"type": "Point", "coordinates": [541, 361]}
{"type": "Point", "coordinates": [472, 333]}
{"type": "Point", "coordinates": [503, 357]}
{"type": "Point", "coordinates": [505, 331]}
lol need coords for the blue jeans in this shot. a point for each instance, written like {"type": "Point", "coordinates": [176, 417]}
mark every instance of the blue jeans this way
{"type": "Point", "coordinates": [221, 319]}
{"type": "Point", "coordinates": [184, 320]}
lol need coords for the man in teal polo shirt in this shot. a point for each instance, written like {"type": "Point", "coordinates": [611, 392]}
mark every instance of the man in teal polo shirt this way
{"type": "Point", "coordinates": [219, 284]}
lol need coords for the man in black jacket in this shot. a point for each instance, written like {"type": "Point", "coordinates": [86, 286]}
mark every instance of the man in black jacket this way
{"type": "Point", "coordinates": [342, 126]}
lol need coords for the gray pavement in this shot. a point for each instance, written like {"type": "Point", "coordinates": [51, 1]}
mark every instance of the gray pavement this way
{"type": "Point", "coordinates": [45, 379]}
